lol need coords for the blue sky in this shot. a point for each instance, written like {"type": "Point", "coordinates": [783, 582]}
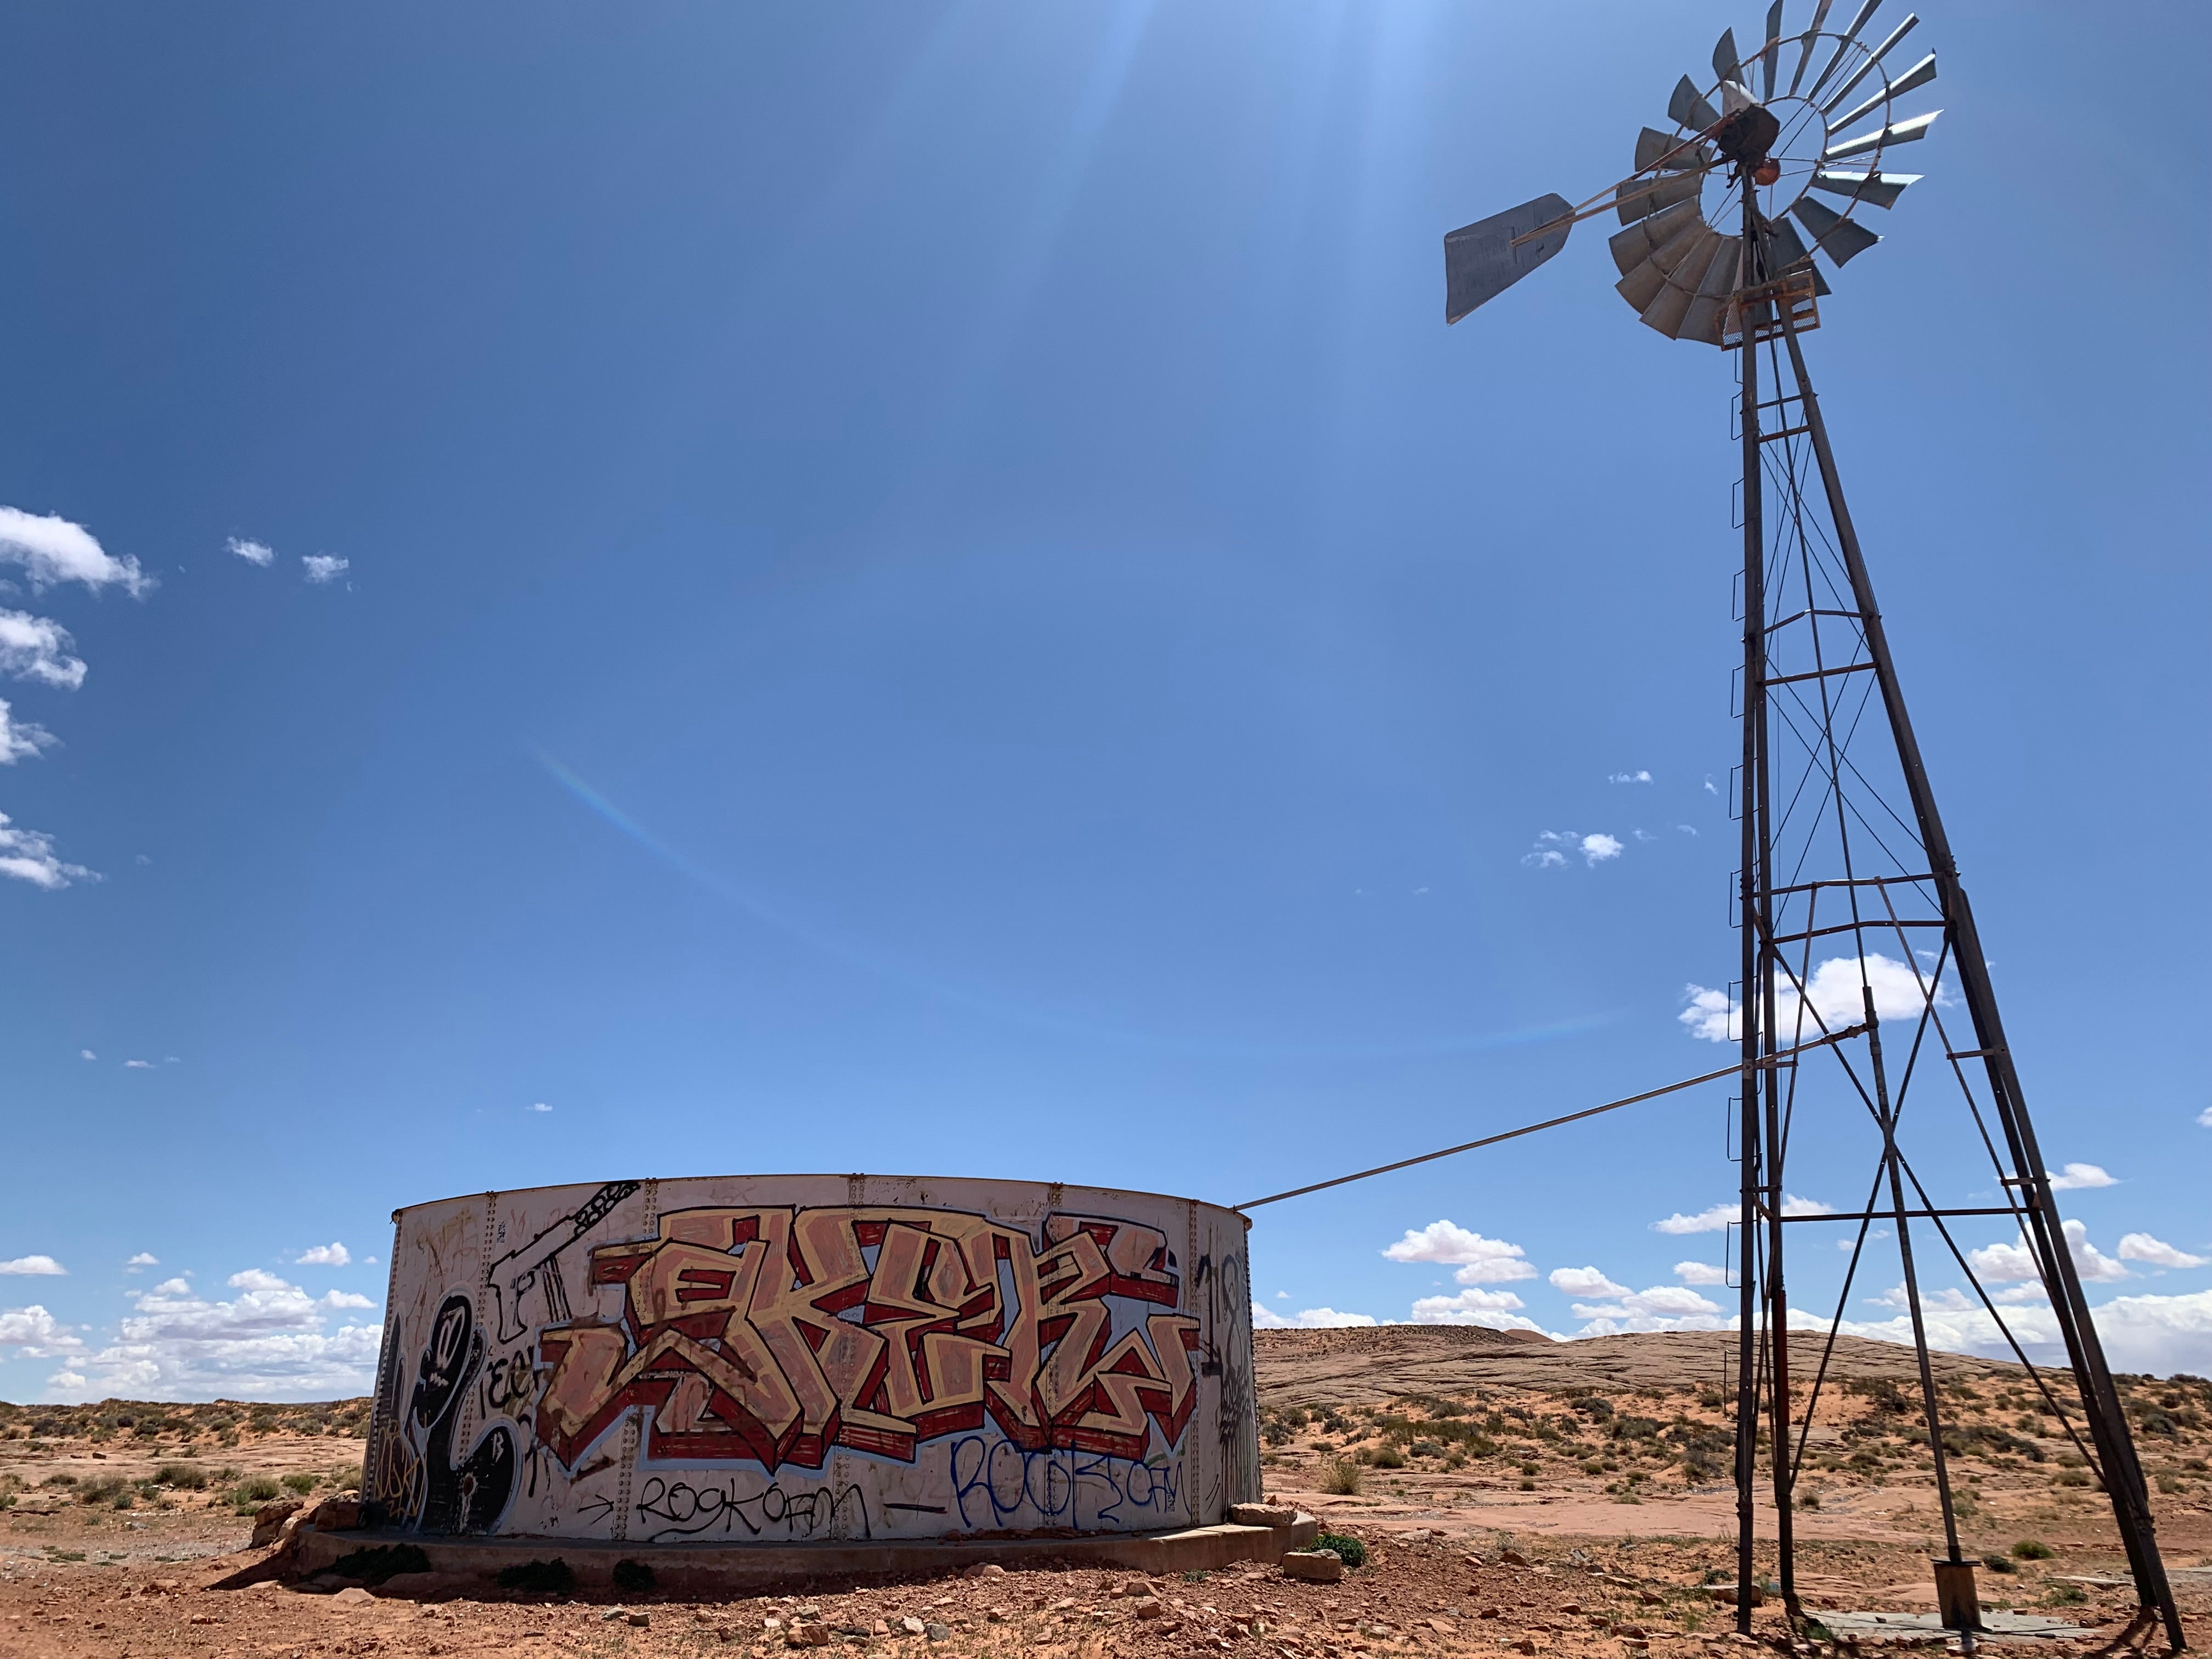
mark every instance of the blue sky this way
{"type": "Point", "coordinates": [922, 587]}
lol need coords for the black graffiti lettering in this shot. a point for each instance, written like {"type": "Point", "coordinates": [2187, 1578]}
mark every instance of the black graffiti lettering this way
{"type": "Point", "coordinates": [683, 1509]}
{"type": "Point", "coordinates": [1057, 1486]}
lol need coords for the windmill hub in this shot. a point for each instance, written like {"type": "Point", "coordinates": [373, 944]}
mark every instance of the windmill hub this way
{"type": "Point", "coordinates": [1746, 137]}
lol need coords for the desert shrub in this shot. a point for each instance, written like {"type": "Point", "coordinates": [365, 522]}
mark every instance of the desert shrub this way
{"type": "Point", "coordinates": [1592, 1406]}
{"type": "Point", "coordinates": [254, 1489]}
{"type": "Point", "coordinates": [2066, 1595]}
{"type": "Point", "coordinates": [190, 1476]}
{"type": "Point", "coordinates": [632, 1576]}
{"type": "Point", "coordinates": [300, 1483]}
{"type": "Point", "coordinates": [1999, 1564]}
{"type": "Point", "coordinates": [1430, 1449]}
{"type": "Point", "coordinates": [1635, 1428]}
{"type": "Point", "coordinates": [1349, 1550]}
{"type": "Point", "coordinates": [382, 1561]}
{"type": "Point", "coordinates": [1342, 1477]}
{"type": "Point", "coordinates": [1386, 1456]}
{"type": "Point", "coordinates": [552, 1577]}
{"type": "Point", "coordinates": [105, 1489]}
{"type": "Point", "coordinates": [2029, 1549]}
{"type": "Point", "coordinates": [59, 1480]}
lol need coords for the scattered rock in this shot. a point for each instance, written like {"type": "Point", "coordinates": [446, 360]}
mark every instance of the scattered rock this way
{"type": "Point", "coordinates": [911, 1625]}
{"type": "Point", "coordinates": [1530, 1642]}
{"type": "Point", "coordinates": [808, 1636]}
{"type": "Point", "coordinates": [335, 1515]}
{"type": "Point", "coordinates": [354, 1596]}
{"type": "Point", "coordinates": [269, 1519]}
{"type": "Point", "coordinates": [1316, 1566]}
{"type": "Point", "coordinates": [937, 1633]}
{"type": "Point", "coordinates": [1513, 1558]}
{"type": "Point", "coordinates": [1147, 1607]}
{"type": "Point", "coordinates": [638, 1621]}
{"type": "Point", "coordinates": [985, 1570]}
{"type": "Point", "coordinates": [1262, 1515]}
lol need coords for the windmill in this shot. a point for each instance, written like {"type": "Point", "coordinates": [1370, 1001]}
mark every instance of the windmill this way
{"type": "Point", "coordinates": [1865, 1017]}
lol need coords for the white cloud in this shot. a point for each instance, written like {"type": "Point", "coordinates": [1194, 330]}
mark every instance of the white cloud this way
{"type": "Point", "coordinates": [1722, 1216]}
{"type": "Point", "coordinates": [1637, 776]}
{"type": "Point", "coordinates": [35, 1334]}
{"type": "Point", "coordinates": [1700, 1272]}
{"type": "Point", "coordinates": [2015, 1262]}
{"type": "Point", "coordinates": [1950, 1300]}
{"type": "Point", "coordinates": [38, 648]}
{"type": "Point", "coordinates": [144, 1259]}
{"type": "Point", "coordinates": [1484, 1261]}
{"type": "Point", "coordinates": [2078, 1177]}
{"type": "Point", "coordinates": [1833, 992]}
{"type": "Point", "coordinates": [1688, 829]}
{"type": "Point", "coordinates": [2204, 1118]}
{"type": "Point", "coordinates": [52, 549]}
{"type": "Point", "coordinates": [272, 1338]}
{"type": "Point", "coordinates": [325, 567]}
{"type": "Point", "coordinates": [1585, 1281]}
{"type": "Point", "coordinates": [42, 1267]}
{"type": "Point", "coordinates": [1553, 846]}
{"type": "Point", "coordinates": [1661, 1308]}
{"type": "Point", "coordinates": [541, 1107]}
{"type": "Point", "coordinates": [2141, 1247]}
{"type": "Point", "coordinates": [332, 1254]}
{"type": "Point", "coordinates": [251, 551]}
{"type": "Point", "coordinates": [29, 855]}
{"type": "Point", "coordinates": [22, 739]}
{"type": "Point", "coordinates": [137, 1064]}
{"type": "Point", "coordinates": [87, 1054]}
{"type": "Point", "coordinates": [1497, 1311]}
{"type": "Point", "coordinates": [1265, 1318]}
{"type": "Point", "coordinates": [2159, 1334]}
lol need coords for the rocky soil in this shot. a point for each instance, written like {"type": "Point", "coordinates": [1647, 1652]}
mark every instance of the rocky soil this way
{"type": "Point", "coordinates": [1511, 1497]}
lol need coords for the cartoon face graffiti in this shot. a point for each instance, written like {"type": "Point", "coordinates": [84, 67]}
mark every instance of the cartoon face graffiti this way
{"type": "Point", "coordinates": [470, 1497]}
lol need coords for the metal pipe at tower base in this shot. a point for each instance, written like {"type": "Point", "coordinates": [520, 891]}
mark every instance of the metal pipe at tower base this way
{"type": "Point", "coordinates": [785, 1359]}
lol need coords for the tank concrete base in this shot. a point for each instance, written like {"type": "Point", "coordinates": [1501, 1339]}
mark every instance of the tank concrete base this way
{"type": "Point", "coordinates": [461, 1564]}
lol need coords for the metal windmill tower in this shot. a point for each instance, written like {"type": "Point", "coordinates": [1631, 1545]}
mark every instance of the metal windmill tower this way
{"type": "Point", "coordinates": [1869, 1030]}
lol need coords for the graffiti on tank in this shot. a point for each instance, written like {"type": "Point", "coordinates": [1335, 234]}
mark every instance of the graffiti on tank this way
{"type": "Point", "coordinates": [670, 1508]}
{"type": "Point", "coordinates": [774, 1333]}
{"type": "Point", "coordinates": [446, 1497]}
{"type": "Point", "coordinates": [534, 1270]}
{"type": "Point", "coordinates": [997, 1483]}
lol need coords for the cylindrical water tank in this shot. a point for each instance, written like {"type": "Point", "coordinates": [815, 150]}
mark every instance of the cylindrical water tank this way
{"type": "Point", "coordinates": [787, 1359]}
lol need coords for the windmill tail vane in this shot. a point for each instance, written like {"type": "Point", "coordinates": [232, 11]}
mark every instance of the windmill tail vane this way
{"type": "Point", "coordinates": [1867, 1023]}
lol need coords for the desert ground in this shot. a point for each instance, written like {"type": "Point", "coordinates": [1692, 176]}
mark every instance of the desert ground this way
{"type": "Point", "coordinates": [1509, 1496]}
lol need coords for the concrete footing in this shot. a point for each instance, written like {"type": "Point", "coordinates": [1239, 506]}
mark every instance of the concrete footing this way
{"type": "Point", "coordinates": [463, 1565]}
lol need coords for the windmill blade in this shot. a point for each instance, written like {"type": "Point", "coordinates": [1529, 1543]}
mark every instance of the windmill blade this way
{"type": "Point", "coordinates": [1637, 197]}
{"type": "Point", "coordinates": [1873, 62]}
{"type": "Point", "coordinates": [1785, 246]}
{"type": "Point", "coordinates": [1879, 189]}
{"type": "Point", "coordinates": [1688, 107]}
{"type": "Point", "coordinates": [1648, 250]}
{"type": "Point", "coordinates": [1482, 260]}
{"type": "Point", "coordinates": [1701, 320]}
{"type": "Point", "coordinates": [1842, 240]}
{"type": "Point", "coordinates": [1771, 51]}
{"type": "Point", "coordinates": [1911, 81]}
{"type": "Point", "coordinates": [1664, 152]}
{"type": "Point", "coordinates": [1805, 53]}
{"type": "Point", "coordinates": [1842, 45]}
{"type": "Point", "coordinates": [1727, 64]}
{"type": "Point", "coordinates": [1899, 132]}
{"type": "Point", "coordinates": [1665, 311]}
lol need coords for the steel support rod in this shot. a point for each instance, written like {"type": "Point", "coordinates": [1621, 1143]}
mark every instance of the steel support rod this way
{"type": "Point", "coordinates": [1751, 878]}
{"type": "Point", "coordinates": [2107, 1421]}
